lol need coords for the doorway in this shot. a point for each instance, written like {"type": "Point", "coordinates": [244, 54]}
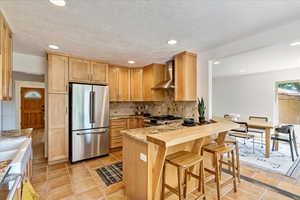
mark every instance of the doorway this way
{"type": "Point", "coordinates": [32, 108]}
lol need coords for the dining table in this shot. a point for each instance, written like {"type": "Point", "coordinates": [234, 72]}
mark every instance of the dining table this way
{"type": "Point", "coordinates": [268, 129]}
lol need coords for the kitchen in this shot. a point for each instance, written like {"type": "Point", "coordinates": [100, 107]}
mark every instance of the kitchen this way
{"type": "Point", "coordinates": [122, 119]}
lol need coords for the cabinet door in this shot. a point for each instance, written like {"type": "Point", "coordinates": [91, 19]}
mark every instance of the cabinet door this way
{"type": "Point", "coordinates": [132, 123]}
{"type": "Point", "coordinates": [124, 84]}
{"type": "Point", "coordinates": [7, 72]}
{"type": "Point", "coordinates": [147, 83]}
{"type": "Point", "coordinates": [99, 73]}
{"type": "Point", "coordinates": [186, 77]}
{"type": "Point", "coordinates": [2, 55]}
{"type": "Point", "coordinates": [158, 76]}
{"type": "Point", "coordinates": [136, 84]}
{"type": "Point", "coordinates": [79, 70]}
{"type": "Point", "coordinates": [58, 67]}
{"type": "Point", "coordinates": [57, 127]}
{"type": "Point", "coordinates": [113, 83]}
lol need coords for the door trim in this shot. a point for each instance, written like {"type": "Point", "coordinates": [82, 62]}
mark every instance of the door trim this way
{"type": "Point", "coordinates": [30, 84]}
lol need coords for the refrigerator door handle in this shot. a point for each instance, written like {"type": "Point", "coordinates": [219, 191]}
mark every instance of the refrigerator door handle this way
{"type": "Point", "coordinates": [91, 108]}
{"type": "Point", "coordinates": [91, 133]}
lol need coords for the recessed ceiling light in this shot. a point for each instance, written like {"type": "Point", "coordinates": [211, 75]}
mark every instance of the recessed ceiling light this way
{"type": "Point", "coordinates": [294, 44]}
{"type": "Point", "coordinates": [131, 62]}
{"type": "Point", "coordinates": [172, 42]}
{"type": "Point", "coordinates": [217, 62]}
{"type": "Point", "coordinates": [52, 46]}
{"type": "Point", "coordinates": [58, 2]}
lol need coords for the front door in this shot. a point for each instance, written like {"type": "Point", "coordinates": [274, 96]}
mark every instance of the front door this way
{"type": "Point", "coordinates": [32, 107]}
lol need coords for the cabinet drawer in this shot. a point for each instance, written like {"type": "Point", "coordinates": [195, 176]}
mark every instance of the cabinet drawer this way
{"type": "Point", "coordinates": [116, 142]}
{"type": "Point", "coordinates": [119, 123]}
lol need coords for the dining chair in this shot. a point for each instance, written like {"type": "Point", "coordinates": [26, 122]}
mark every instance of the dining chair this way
{"type": "Point", "coordinates": [259, 118]}
{"type": "Point", "coordinates": [286, 133]}
{"type": "Point", "coordinates": [243, 133]}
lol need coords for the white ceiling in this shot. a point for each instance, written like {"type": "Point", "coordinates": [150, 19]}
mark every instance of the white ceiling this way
{"type": "Point", "coordinates": [280, 56]}
{"type": "Point", "coordinates": [122, 30]}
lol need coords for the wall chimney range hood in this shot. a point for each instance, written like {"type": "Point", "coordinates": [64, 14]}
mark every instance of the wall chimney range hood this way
{"type": "Point", "coordinates": [169, 82]}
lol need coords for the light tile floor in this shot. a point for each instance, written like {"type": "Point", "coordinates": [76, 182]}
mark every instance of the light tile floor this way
{"type": "Point", "coordinates": [81, 182]}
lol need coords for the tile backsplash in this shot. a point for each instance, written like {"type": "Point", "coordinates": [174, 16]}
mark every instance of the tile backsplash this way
{"type": "Point", "coordinates": [167, 107]}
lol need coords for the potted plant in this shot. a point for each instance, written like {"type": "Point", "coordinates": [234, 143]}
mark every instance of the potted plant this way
{"type": "Point", "coordinates": [201, 111]}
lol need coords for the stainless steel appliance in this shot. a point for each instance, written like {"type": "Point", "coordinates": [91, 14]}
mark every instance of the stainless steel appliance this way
{"type": "Point", "coordinates": [161, 120]}
{"type": "Point", "coordinates": [89, 121]}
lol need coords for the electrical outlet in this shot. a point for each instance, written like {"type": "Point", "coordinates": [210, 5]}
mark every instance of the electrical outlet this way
{"type": "Point", "coordinates": [143, 157]}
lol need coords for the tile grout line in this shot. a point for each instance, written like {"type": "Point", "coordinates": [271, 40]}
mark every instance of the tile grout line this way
{"type": "Point", "coordinates": [272, 188]}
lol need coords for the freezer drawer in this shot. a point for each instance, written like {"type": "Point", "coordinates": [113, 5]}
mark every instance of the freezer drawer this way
{"type": "Point", "coordinates": [89, 143]}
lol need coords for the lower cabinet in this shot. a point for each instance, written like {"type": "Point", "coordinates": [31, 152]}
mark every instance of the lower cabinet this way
{"type": "Point", "coordinates": [117, 125]}
{"type": "Point", "coordinates": [58, 144]}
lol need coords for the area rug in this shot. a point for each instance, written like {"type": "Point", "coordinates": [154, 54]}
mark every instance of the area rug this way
{"type": "Point", "coordinates": [111, 174]}
{"type": "Point", "coordinates": [279, 162]}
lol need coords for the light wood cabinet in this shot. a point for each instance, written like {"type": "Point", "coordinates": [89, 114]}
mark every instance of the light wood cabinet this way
{"type": "Point", "coordinates": [86, 71]}
{"type": "Point", "coordinates": [119, 83]}
{"type": "Point", "coordinates": [152, 75]}
{"type": "Point", "coordinates": [79, 70]}
{"type": "Point", "coordinates": [136, 84]}
{"type": "Point", "coordinates": [6, 50]}
{"type": "Point", "coordinates": [135, 123]}
{"type": "Point", "coordinates": [186, 77]}
{"type": "Point", "coordinates": [58, 142]}
{"type": "Point", "coordinates": [57, 78]}
{"type": "Point", "coordinates": [117, 125]}
{"type": "Point", "coordinates": [99, 73]}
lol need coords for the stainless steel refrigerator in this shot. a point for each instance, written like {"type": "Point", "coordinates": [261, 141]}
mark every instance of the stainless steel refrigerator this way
{"type": "Point", "coordinates": [89, 121]}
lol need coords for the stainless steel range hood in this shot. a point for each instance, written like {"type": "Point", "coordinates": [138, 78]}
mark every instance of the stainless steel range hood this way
{"type": "Point", "coordinates": [169, 82]}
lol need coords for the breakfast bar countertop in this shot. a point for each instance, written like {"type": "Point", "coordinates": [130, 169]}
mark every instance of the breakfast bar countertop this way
{"type": "Point", "coordinates": [168, 134]}
{"type": "Point", "coordinates": [142, 133]}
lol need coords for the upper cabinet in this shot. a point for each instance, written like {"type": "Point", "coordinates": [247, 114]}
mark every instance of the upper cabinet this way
{"type": "Point", "coordinates": [6, 49]}
{"type": "Point", "coordinates": [99, 73]}
{"type": "Point", "coordinates": [136, 84]}
{"type": "Point", "coordinates": [119, 83]}
{"type": "Point", "coordinates": [57, 74]}
{"type": "Point", "coordinates": [86, 71]}
{"type": "Point", "coordinates": [152, 75]}
{"type": "Point", "coordinates": [79, 70]}
{"type": "Point", "coordinates": [186, 77]}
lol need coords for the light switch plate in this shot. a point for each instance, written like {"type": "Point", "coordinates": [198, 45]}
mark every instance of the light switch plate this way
{"type": "Point", "coordinates": [143, 157]}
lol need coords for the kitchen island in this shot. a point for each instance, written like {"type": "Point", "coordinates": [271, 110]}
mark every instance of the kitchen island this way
{"type": "Point", "coordinates": [145, 150]}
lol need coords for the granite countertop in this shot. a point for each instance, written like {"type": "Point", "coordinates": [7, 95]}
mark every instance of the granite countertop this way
{"type": "Point", "coordinates": [17, 133]}
{"type": "Point", "coordinates": [142, 133]}
{"type": "Point", "coordinates": [4, 168]}
{"type": "Point", "coordinates": [112, 117]}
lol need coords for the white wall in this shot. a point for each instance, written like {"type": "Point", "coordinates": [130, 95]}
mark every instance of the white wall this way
{"type": "Point", "coordinates": [29, 64]}
{"type": "Point", "coordinates": [249, 94]}
{"type": "Point", "coordinates": [25, 68]}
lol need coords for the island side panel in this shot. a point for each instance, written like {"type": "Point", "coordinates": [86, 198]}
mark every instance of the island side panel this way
{"type": "Point", "coordinates": [135, 170]}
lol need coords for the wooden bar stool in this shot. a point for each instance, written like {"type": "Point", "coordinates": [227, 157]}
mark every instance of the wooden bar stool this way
{"type": "Point", "coordinates": [237, 158]}
{"type": "Point", "coordinates": [184, 160]}
{"type": "Point", "coordinates": [218, 150]}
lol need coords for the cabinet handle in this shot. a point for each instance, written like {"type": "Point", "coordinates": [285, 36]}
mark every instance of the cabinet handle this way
{"type": "Point", "coordinates": [66, 110]}
{"type": "Point", "coordinates": [66, 88]}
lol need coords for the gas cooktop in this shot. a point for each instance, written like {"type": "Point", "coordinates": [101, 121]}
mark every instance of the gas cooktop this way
{"type": "Point", "coordinates": [165, 117]}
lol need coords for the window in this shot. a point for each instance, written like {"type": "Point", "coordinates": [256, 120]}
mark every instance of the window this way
{"type": "Point", "coordinates": [33, 94]}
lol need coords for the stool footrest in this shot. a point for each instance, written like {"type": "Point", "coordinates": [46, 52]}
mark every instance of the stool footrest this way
{"type": "Point", "coordinates": [229, 163]}
{"type": "Point", "coordinates": [210, 171]}
{"type": "Point", "coordinates": [174, 190]}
